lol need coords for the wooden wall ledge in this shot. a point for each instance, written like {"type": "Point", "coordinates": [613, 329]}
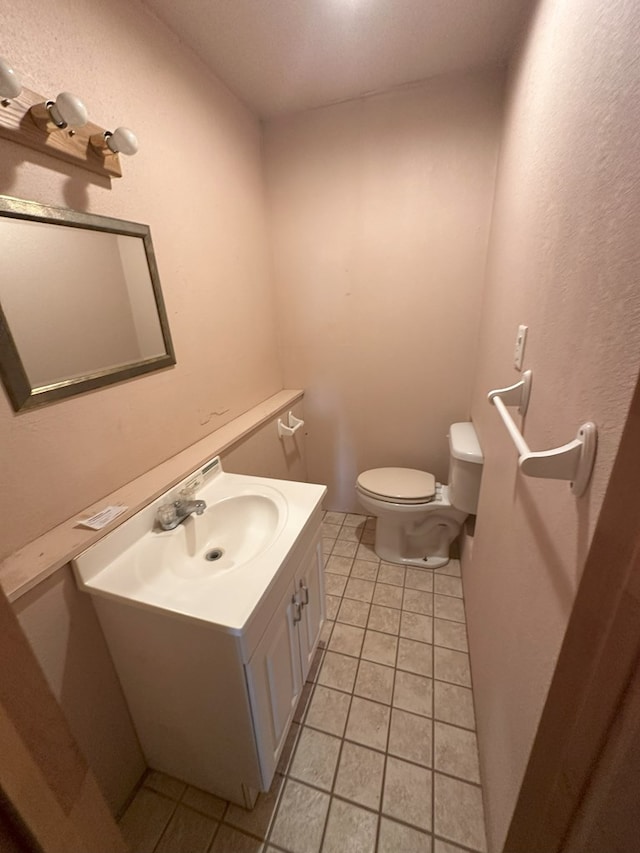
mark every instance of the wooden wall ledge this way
{"type": "Point", "coordinates": [34, 562]}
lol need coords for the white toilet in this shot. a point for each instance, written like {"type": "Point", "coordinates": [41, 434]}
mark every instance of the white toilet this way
{"type": "Point", "coordinates": [417, 518]}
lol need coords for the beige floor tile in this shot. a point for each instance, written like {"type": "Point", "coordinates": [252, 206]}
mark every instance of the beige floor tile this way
{"type": "Point", "coordinates": [453, 704]}
{"type": "Point", "coordinates": [344, 548]}
{"type": "Point", "coordinates": [349, 534]}
{"type": "Point", "coordinates": [380, 648]}
{"type": "Point", "coordinates": [340, 565]}
{"type": "Point", "coordinates": [410, 737]}
{"type": "Point", "coordinates": [452, 568]}
{"type": "Point", "coordinates": [315, 759]}
{"type": "Point", "coordinates": [327, 547]}
{"type": "Point", "coordinates": [328, 710]}
{"type": "Point", "coordinates": [384, 619]}
{"type": "Point", "coordinates": [163, 784]}
{"type": "Point", "coordinates": [325, 633]}
{"type": "Point", "coordinates": [446, 607]}
{"type": "Point", "coordinates": [368, 536]}
{"type": "Point", "coordinates": [204, 802]}
{"type": "Point", "coordinates": [388, 595]}
{"type": "Point", "coordinates": [368, 723]}
{"type": "Point", "coordinates": [415, 626]}
{"type": "Point", "coordinates": [332, 605]}
{"type": "Point", "coordinates": [360, 775]}
{"type": "Point", "coordinates": [456, 752]}
{"type": "Point", "coordinates": [417, 601]}
{"type": "Point", "coordinates": [413, 693]}
{"type": "Point", "coordinates": [354, 612]}
{"type": "Point", "coordinates": [446, 585]}
{"type": "Point", "coordinates": [350, 829]}
{"type": "Point", "coordinates": [334, 584]}
{"type": "Point", "coordinates": [407, 793]}
{"type": "Point", "coordinates": [330, 531]}
{"type": "Point", "coordinates": [444, 847]}
{"type": "Point", "coordinates": [300, 820]}
{"type": "Point", "coordinates": [458, 812]}
{"type": "Point", "coordinates": [359, 589]}
{"type": "Point", "coordinates": [397, 838]}
{"type": "Point", "coordinates": [355, 519]}
{"type": "Point", "coordinates": [452, 635]}
{"type": "Point", "coordinates": [366, 570]}
{"type": "Point", "coordinates": [334, 517]}
{"type": "Point", "coordinates": [346, 639]}
{"type": "Point", "coordinates": [453, 666]}
{"type": "Point", "coordinates": [257, 820]}
{"type": "Point", "coordinates": [415, 657]}
{"type": "Point", "coordinates": [392, 574]}
{"type": "Point", "coordinates": [145, 820]}
{"type": "Point", "coordinates": [374, 681]}
{"type": "Point", "coordinates": [338, 671]}
{"type": "Point", "coordinates": [187, 832]}
{"type": "Point", "coordinates": [229, 840]}
{"type": "Point", "coordinates": [419, 579]}
{"type": "Point", "coordinates": [366, 552]}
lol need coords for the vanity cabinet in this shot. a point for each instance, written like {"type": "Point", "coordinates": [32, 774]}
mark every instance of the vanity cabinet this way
{"type": "Point", "coordinates": [280, 663]}
{"type": "Point", "coordinates": [212, 705]}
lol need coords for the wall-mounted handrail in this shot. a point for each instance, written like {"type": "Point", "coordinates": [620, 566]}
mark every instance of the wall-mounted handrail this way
{"type": "Point", "coordinates": [572, 461]}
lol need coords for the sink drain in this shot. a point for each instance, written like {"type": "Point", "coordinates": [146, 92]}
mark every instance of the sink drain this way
{"type": "Point", "coordinates": [214, 554]}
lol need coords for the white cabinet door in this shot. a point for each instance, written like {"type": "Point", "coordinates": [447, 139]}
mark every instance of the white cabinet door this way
{"type": "Point", "coordinates": [275, 682]}
{"type": "Point", "coordinates": [310, 592]}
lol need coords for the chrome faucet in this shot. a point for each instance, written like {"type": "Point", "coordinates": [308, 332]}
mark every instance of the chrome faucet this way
{"type": "Point", "coordinates": [171, 515]}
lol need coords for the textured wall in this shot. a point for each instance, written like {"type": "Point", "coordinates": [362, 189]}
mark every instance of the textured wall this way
{"type": "Point", "coordinates": [380, 211]}
{"type": "Point", "coordinates": [564, 259]}
{"type": "Point", "coordinates": [197, 182]}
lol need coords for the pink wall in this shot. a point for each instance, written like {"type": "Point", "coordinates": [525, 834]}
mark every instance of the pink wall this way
{"type": "Point", "coordinates": [197, 182]}
{"type": "Point", "coordinates": [380, 212]}
{"type": "Point", "coordinates": [564, 259]}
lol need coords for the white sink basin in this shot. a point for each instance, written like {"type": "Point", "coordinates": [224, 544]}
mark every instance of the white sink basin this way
{"type": "Point", "coordinates": [229, 534]}
{"type": "Point", "coordinates": [215, 566]}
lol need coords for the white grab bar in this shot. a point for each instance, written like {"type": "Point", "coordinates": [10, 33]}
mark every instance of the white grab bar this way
{"type": "Point", "coordinates": [572, 461]}
{"type": "Point", "coordinates": [291, 428]}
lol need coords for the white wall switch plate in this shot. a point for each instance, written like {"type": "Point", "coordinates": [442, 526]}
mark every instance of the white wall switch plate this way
{"type": "Point", "coordinates": [518, 353]}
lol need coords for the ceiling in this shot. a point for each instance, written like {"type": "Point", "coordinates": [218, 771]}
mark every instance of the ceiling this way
{"type": "Point", "coordinates": [281, 56]}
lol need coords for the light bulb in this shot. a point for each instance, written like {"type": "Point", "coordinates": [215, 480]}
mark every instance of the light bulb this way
{"type": "Point", "coordinates": [122, 141]}
{"type": "Point", "coordinates": [10, 85]}
{"type": "Point", "coordinates": [68, 110]}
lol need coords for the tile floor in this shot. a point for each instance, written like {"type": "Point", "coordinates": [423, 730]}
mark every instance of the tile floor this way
{"type": "Point", "coordinates": [382, 754]}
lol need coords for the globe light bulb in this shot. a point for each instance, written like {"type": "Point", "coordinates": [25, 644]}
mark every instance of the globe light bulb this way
{"type": "Point", "coordinates": [68, 110]}
{"type": "Point", "coordinates": [10, 84]}
{"type": "Point", "coordinates": [122, 141]}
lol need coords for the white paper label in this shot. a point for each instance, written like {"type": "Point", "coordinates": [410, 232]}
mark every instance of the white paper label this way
{"type": "Point", "coordinates": [102, 518]}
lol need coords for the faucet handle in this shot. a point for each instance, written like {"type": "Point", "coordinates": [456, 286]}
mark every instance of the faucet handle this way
{"type": "Point", "coordinates": [166, 515]}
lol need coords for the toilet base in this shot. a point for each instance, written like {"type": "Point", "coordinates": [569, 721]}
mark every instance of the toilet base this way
{"type": "Point", "coordinates": [417, 539]}
{"type": "Point", "coordinates": [417, 562]}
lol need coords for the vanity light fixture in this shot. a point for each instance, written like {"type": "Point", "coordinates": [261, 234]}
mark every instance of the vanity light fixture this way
{"type": "Point", "coordinates": [120, 141]}
{"type": "Point", "coordinates": [66, 111]}
{"type": "Point", "coordinates": [10, 84]}
{"type": "Point", "coordinates": [59, 128]}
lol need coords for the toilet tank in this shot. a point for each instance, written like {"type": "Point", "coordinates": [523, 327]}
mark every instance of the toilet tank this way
{"type": "Point", "coordinates": [465, 467]}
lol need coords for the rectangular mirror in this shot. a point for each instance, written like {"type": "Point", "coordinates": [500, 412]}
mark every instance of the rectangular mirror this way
{"type": "Point", "coordinates": [80, 303]}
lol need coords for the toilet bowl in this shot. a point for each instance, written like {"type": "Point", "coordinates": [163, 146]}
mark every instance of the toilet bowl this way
{"type": "Point", "coordinates": [418, 518]}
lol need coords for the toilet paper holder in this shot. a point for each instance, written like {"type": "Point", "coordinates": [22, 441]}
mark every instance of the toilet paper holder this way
{"type": "Point", "coordinates": [290, 428]}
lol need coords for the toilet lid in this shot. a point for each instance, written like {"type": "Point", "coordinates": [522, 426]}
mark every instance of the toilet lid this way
{"type": "Point", "coordinates": [399, 484]}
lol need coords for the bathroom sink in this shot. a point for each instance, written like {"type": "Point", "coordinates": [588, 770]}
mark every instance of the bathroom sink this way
{"type": "Point", "coordinates": [229, 534]}
{"type": "Point", "coordinates": [215, 566]}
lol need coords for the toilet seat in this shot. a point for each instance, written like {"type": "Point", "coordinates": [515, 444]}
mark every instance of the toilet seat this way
{"type": "Point", "coordinates": [398, 485]}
